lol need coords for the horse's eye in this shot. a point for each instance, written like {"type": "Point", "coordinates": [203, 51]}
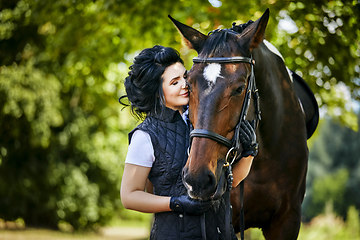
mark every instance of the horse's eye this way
{"type": "Point", "coordinates": [240, 90]}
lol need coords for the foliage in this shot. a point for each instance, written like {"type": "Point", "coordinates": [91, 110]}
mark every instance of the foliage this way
{"type": "Point", "coordinates": [330, 188]}
{"type": "Point", "coordinates": [61, 141]}
{"type": "Point", "coordinates": [327, 226]}
{"type": "Point", "coordinates": [320, 40]}
{"type": "Point", "coordinates": [63, 136]}
{"type": "Point", "coordinates": [325, 50]}
{"type": "Point", "coordinates": [333, 172]}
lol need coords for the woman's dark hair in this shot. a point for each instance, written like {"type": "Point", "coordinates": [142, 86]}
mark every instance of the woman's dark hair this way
{"type": "Point", "coordinates": [144, 84]}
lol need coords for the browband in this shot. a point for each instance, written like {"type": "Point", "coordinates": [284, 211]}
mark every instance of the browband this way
{"type": "Point", "coordinates": [224, 60]}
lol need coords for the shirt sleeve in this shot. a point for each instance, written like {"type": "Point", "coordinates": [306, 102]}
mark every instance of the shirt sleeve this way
{"type": "Point", "coordinates": [140, 151]}
{"type": "Point", "coordinates": [185, 117]}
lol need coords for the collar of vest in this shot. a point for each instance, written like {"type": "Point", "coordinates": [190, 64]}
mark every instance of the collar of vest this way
{"type": "Point", "coordinates": [169, 115]}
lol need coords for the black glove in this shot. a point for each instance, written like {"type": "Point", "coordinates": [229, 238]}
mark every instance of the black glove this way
{"type": "Point", "coordinates": [248, 139]}
{"type": "Point", "coordinates": [185, 204]}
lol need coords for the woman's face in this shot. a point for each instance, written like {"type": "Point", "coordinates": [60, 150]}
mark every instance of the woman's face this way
{"type": "Point", "coordinates": [174, 87]}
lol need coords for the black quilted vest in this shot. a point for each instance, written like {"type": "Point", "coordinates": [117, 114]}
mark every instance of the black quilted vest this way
{"type": "Point", "coordinates": [170, 138]}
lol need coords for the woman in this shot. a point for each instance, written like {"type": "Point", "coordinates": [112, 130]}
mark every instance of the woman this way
{"type": "Point", "coordinates": [152, 181]}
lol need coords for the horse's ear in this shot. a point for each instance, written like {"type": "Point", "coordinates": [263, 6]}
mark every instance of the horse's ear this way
{"type": "Point", "coordinates": [253, 35]}
{"type": "Point", "coordinates": [193, 38]}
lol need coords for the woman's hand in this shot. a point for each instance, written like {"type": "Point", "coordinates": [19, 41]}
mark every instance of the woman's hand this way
{"type": "Point", "coordinates": [250, 148]}
{"type": "Point", "coordinates": [248, 139]}
{"type": "Point", "coordinates": [187, 205]}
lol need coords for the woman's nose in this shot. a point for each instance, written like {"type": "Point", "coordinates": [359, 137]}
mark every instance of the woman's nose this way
{"type": "Point", "coordinates": [184, 84]}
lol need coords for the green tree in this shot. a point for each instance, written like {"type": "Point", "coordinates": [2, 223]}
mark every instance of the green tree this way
{"type": "Point", "coordinates": [329, 189]}
{"type": "Point", "coordinates": [326, 52]}
{"type": "Point", "coordinates": [62, 145]}
{"type": "Point", "coordinates": [333, 172]}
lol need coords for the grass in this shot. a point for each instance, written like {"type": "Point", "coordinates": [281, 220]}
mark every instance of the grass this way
{"type": "Point", "coordinates": [326, 226]}
{"type": "Point", "coordinates": [118, 229]}
{"type": "Point", "coordinates": [122, 233]}
{"type": "Point", "coordinates": [323, 227]}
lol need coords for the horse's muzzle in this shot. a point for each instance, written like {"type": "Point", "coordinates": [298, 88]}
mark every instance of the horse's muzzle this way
{"type": "Point", "coordinates": [204, 185]}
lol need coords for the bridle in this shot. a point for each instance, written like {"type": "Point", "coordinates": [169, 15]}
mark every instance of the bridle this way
{"type": "Point", "coordinates": [234, 144]}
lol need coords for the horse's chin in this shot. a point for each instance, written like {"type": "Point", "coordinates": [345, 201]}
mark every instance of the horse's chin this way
{"type": "Point", "coordinates": [193, 196]}
{"type": "Point", "coordinates": [190, 191]}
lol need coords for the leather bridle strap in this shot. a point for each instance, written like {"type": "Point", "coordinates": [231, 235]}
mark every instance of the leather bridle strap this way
{"type": "Point", "coordinates": [223, 60]}
{"type": "Point", "coordinates": [204, 133]}
{"type": "Point", "coordinates": [245, 107]}
{"type": "Point", "coordinates": [242, 215]}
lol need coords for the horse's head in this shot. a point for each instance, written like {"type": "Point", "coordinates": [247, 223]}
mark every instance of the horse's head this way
{"type": "Point", "coordinates": [217, 92]}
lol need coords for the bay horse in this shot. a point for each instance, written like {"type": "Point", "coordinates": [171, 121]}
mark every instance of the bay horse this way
{"type": "Point", "coordinates": [275, 187]}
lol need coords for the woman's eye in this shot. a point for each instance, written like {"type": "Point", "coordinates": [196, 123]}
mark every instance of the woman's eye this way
{"type": "Point", "coordinates": [175, 83]}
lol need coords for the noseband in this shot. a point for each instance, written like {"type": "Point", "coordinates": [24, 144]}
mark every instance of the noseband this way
{"type": "Point", "coordinates": [234, 144]}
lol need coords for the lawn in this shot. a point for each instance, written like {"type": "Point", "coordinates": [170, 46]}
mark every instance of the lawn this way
{"type": "Point", "coordinates": [111, 233]}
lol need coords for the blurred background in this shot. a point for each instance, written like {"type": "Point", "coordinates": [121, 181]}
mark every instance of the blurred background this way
{"type": "Point", "coordinates": [63, 134]}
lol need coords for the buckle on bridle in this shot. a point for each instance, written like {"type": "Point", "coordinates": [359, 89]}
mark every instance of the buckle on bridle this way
{"type": "Point", "coordinates": [232, 153]}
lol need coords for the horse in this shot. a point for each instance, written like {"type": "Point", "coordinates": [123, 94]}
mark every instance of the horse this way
{"type": "Point", "coordinates": [219, 91]}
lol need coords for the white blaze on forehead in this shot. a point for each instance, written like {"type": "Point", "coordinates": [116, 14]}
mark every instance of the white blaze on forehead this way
{"type": "Point", "coordinates": [211, 73]}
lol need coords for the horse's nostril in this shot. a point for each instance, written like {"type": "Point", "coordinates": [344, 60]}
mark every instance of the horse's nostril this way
{"type": "Point", "coordinates": [211, 182]}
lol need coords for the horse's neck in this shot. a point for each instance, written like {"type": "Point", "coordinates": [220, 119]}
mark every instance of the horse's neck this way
{"type": "Point", "coordinates": [274, 89]}
{"type": "Point", "coordinates": [269, 80]}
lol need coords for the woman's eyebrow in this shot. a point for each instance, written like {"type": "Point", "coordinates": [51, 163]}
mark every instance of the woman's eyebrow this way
{"type": "Point", "coordinates": [174, 79]}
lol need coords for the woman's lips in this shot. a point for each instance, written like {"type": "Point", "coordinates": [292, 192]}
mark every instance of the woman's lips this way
{"type": "Point", "coordinates": [185, 94]}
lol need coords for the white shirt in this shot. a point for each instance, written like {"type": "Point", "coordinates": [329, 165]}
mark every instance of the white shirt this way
{"type": "Point", "coordinates": [141, 151]}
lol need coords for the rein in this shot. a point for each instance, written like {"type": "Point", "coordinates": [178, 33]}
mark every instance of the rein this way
{"type": "Point", "coordinates": [234, 144]}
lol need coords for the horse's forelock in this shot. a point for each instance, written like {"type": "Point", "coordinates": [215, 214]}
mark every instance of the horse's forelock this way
{"type": "Point", "coordinates": [219, 44]}
{"type": "Point", "coordinates": [216, 44]}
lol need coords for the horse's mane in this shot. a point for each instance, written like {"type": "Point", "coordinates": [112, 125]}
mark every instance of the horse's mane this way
{"type": "Point", "coordinates": [217, 44]}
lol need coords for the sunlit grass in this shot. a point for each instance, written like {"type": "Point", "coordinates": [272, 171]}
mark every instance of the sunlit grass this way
{"type": "Point", "coordinates": [45, 234]}
{"type": "Point", "coordinates": [326, 226]}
